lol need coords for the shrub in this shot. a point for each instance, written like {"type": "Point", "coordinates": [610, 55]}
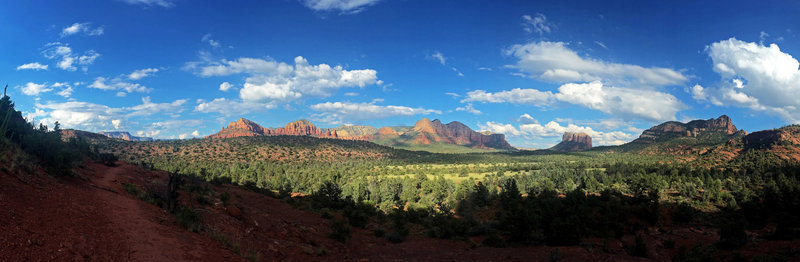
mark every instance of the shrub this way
{"type": "Point", "coordinates": [189, 218]}
{"type": "Point", "coordinates": [224, 197]}
{"type": "Point", "coordinates": [340, 231]}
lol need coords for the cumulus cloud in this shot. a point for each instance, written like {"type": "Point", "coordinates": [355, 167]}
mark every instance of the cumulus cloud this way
{"type": "Point", "coordinates": [469, 109]}
{"type": "Point", "coordinates": [148, 108]}
{"type": "Point", "coordinates": [83, 28]}
{"type": "Point", "coordinates": [225, 86]}
{"type": "Point", "coordinates": [626, 103]}
{"type": "Point", "coordinates": [33, 66]}
{"type": "Point", "coordinates": [515, 96]}
{"type": "Point", "coordinates": [34, 89]}
{"type": "Point", "coordinates": [97, 117]}
{"type": "Point", "coordinates": [755, 76]}
{"type": "Point", "coordinates": [116, 84]}
{"type": "Point", "coordinates": [343, 112]}
{"type": "Point", "coordinates": [343, 6]}
{"type": "Point", "coordinates": [555, 62]}
{"type": "Point", "coordinates": [242, 65]}
{"type": "Point", "coordinates": [142, 73]}
{"type": "Point", "coordinates": [66, 89]}
{"type": "Point", "coordinates": [270, 80]}
{"type": "Point", "coordinates": [527, 119]}
{"type": "Point", "coordinates": [553, 129]}
{"type": "Point", "coordinates": [66, 59]}
{"type": "Point", "coordinates": [227, 107]}
{"type": "Point", "coordinates": [537, 23]}
{"type": "Point", "coordinates": [148, 3]}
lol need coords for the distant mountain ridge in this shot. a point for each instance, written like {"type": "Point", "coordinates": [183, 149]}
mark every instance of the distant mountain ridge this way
{"type": "Point", "coordinates": [125, 136]}
{"type": "Point", "coordinates": [424, 132]}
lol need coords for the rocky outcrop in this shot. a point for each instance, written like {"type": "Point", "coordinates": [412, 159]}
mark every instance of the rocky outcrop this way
{"type": "Point", "coordinates": [572, 142]}
{"type": "Point", "coordinates": [426, 131]}
{"type": "Point", "coordinates": [67, 134]}
{"type": "Point", "coordinates": [763, 139]}
{"type": "Point", "coordinates": [387, 131]}
{"type": "Point", "coordinates": [241, 127]}
{"type": "Point", "coordinates": [355, 132]}
{"type": "Point", "coordinates": [125, 136]}
{"type": "Point", "coordinates": [423, 132]}
{"type": "Point", "coordinates": [302, 128]}
{"type": "Point", "coordinates": [674, 129]}
{"type": "Point", "coordinates": [244, 127]}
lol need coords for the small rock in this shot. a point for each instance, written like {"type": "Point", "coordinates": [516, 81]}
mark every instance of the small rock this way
{"type": "Point", "coordinates": [234, 212]}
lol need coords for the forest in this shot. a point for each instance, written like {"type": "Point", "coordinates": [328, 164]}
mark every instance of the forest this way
{"type": "Point", "coordinates": [508, 199]}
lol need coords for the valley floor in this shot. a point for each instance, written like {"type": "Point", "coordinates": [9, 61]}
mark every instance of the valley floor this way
{"type": "Point", "coordinates": [96, 219]}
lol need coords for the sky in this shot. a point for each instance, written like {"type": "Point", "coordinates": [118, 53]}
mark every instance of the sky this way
{"type": "Point", "coordinates": [178, 69]}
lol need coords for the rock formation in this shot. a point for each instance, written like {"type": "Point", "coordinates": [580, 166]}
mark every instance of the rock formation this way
{"type": "Point", "coordinates": [241, 127]}
{"type": "Point", "coordinates": [673, 129]}
{"type": "Point", "coordinates": [571, 142]}
{"type": "Point", "coordinates": [426, 131]}
{"type": "Point", "coordinates": [355, 132]}
{"type": "Point", "coordinates": [423, 132]}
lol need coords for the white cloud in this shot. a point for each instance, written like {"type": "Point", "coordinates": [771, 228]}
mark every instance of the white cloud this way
{"type": "Point", "coordinates": [117, 84]}
{"type": "Point", "coordinates": [97, 117]}
{"type": "Point", "coordinates": [469, 109]}
{"type": "Point", "coordinates": [553, 61]}
{"type": "Point", "coordinates": [527, 119]}
{"type": "Point", "coordinates": [242, 65]}
{"type": "Point", "coordinates": [207, 39]}
{"type": "Point", "coordinates": [33, 66]}
{"type": "Point", "coordinates": [148, 3]}
{"type": "Point", "coordinates": [438, 56]}
{"type": "Point", "coordinates": [626, 103]}
{"type": "Point", "coordinates": [66, 59]}
{"type": "Point", "coordinates": [553, 129]}
{"type": "Point", "coordinates": [343, 6]}
{"type": "Point", "coordinates": [454, 95]}
{"type": "Point", "coordinates": [230, 107]}
{"type": "Point", "coordinates": [34, 89]}
{"type": "Point", "coordinates": [343, 112]}
{"type": "Point", "coordinates": [142, 73]}
{"type": "Point", "coordinates": [277, 81]}
{"type": "Point", "coordinates": [755, 76]}
{"type": "Point", "coordinates": [515, 96]}
{"type": "Point", "coordinates": [148, 108]}
{"type": "Point", "coordinates": [81, 28]}
{"type": "Point", "coordinates": [196, 133]}
{"type": "Point", "coordinates": [537, 23]}
{"type": "Point", "coordinates": [225, 86]}
{"type": "Point", "coordinates": [601, 44]}
{"type": "Point", "coordinates": [66, 89]}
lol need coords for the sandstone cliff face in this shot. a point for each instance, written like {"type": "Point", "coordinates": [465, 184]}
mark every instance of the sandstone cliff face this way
{"type": "Point", "coordinates": [678, 129]}
{"type": "Point", "coordinates": [387, 131]}
{"type": "Point", "coordinates": [241, 127]}
{"type": "Point", "coordinates": [302, 128]}
{"type": "Point", "coordinates": [244, 127]}
{"type": "Point", "coordinates": [456, 133]}
{"type": "Point", "coordinates": [571, 142]}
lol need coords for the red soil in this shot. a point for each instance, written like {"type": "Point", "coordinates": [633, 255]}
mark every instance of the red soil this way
{"type": "Point", "coordinates": [69, 219]}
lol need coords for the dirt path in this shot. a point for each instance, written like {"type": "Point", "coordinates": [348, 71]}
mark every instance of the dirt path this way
{"type": "Point", "coordinates": [149, 231]}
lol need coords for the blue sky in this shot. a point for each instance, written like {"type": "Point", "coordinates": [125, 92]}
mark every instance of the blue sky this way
{"type": "Point", "coordinates": [530, 70]}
